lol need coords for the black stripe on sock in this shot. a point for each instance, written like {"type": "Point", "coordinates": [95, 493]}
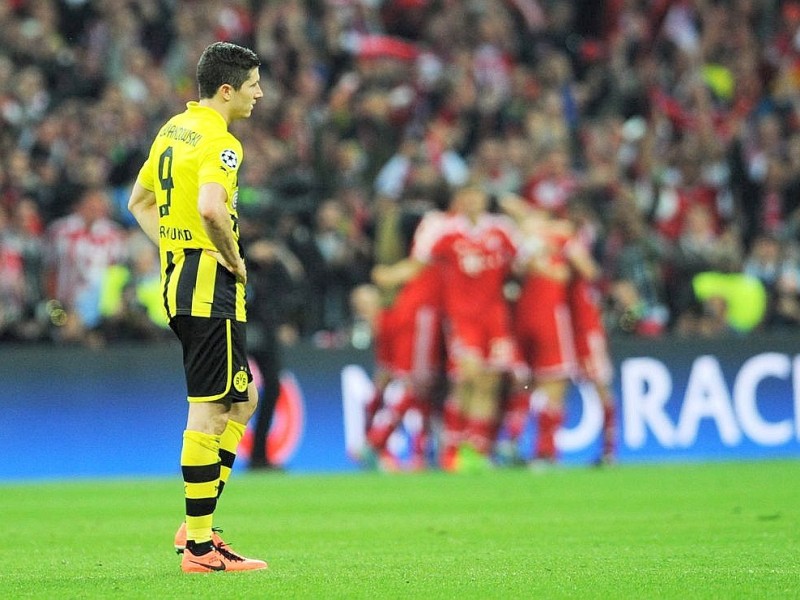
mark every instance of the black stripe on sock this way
{"type": "Point", "coordinates": [200, 474]}
{"type": "Point", "coordinates": [200, 507]}
{"type": "Point", "coordinates": [226, 458]}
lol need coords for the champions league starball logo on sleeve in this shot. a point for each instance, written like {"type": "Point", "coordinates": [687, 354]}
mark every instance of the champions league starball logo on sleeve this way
{"type": "Point", "coordinates": [229, 158]}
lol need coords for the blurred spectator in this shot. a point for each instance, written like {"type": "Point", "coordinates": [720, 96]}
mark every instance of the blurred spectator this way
{"type": "Point", "coordinates": [81, 247]}
{"type": "Point", "coordinates": [633, 257]}
{"type": "Point", "coordinates": [131, 304]}
{"type": "Point", "coordinates": [739, 299]}
{"type": "Point", "coordinates": [765, 262]}
{"type": "Point", "coordinates": [334, 255]}
{"type": "Point", "coordinates": [421, 165]}
{"type": "Point", "coordinates": [365, 305]}
{"type": "Point", "coordinates": [493, 168]}
{"type": "Point", "coordinates": [21, 256]}
{"type": "Point", "coordinates": [629, 314]}
{"type": "Point", "coordinates": [271, 301]}
{"type": "Point", "coordinates": [785, 304]}
{"type": "Point", "coordinates": [699, 247]}
{"type": "Point", "coordinates": [647, 108]}
{"type": "Point", "coordinates": [552, 184]}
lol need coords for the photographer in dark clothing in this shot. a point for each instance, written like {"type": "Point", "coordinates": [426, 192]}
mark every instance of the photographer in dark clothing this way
{"type": "Point", "coordinates": [273, 294]}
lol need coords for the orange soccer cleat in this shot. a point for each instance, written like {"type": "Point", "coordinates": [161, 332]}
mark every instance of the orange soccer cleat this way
{"type": "Point", "coordinates": [216, 540]}
{"type": "Point", "coordinates": [218, 560]}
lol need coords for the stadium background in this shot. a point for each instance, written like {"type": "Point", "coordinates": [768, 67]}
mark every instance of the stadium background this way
{"type": "Point", "coordinates": [83, 85]}
{"type": "Point", "coordinates": [683, 401]}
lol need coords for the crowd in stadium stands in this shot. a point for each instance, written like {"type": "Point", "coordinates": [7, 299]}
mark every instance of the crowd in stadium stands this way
{"type": "Point", "coordinates": [672, 128]}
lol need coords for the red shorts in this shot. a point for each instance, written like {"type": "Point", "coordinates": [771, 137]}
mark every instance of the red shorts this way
{"type": "Point", "coordinates": [546, 343]}
{"type": "Point", "coordinates": [593, 355]}
{"type": "Point", "coordinates": [486, 336]}
{"type": "Point", "coordinates": [409, 342]}
{"type": "Point", "coordinates": [590, 335]}
{"type": "Point", "coordinates": [383, 342]}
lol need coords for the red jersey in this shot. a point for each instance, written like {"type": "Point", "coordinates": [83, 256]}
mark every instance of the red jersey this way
{"type": "Point", "coordinates": [80, 253]}
{"type": "Point", "coordinates": [474, 261]}
{"type": "Point", "coordinates": [591, 341]}
{"type": "Point", "coordinates": [542, 317]}
{"type": "Point", "coordinates": [584, 305]}
{"type": "Point", "coordinates": [425, 287]}
{"type": "Point", "coordinates": [550, 193]}
{"type": "Point", "coordinates": [540, 289]}
{"type": "Point", "coordinates": [409, 332]}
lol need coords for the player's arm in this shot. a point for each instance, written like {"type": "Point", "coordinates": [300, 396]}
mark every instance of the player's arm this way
{"type": "Point", "coordinates": [536, 258]}
{"type": "Point", "coordinates": [142, 204]}
{"type": "Point", "coordinates": [513, 205]}
{"type": "Point", "coordinates": [395, 275]}
{"type": "Point", "coordinates": [217, 223]}
{"type": "Point", "coordinates": [582, 260]}
{"type": "Point", "coordinates": [556, 272]}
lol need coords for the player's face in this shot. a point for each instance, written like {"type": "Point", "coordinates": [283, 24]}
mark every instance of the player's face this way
{"type": "Point", "coordinates": [472, 202]}
{"type": "Point", "coordinates": [244, 98]}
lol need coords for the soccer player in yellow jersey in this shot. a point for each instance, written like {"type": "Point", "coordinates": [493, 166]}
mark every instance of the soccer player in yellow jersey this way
{"type": "Point", "coordinates": [185, 200]}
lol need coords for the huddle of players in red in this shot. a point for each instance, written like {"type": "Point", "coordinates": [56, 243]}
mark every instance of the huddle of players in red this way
{"type": "Point", "coordinates": [505, 356]}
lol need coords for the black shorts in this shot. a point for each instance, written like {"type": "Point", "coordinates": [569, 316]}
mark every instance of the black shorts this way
{"type": "Point", "coordinates": [214, 358]}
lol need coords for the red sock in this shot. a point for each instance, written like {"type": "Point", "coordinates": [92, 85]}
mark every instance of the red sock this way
{"type": "Point", "coordinates": [517, 413]}
{"type": "Point", "coordinates": [379, 433]}
{"type": "Point", "coordinates": [549, 421]}
{"type": "Point", "coordinates": [609, 429]}
{"type": "Point", "coordinates": [480, 435]}
{"type": "Point", "coordinates": [372, 408]}
{"type": "Point", "coordinates": [420, 442]}
{"type": "Point", "coordinates": [452, 434]}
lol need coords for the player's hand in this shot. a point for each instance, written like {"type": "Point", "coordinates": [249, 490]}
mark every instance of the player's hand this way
{"type": "Point", "coordinates": [381, 276]}
{"type": "Point", "coordinates": [239, 270]}
{"type": "Point", "coordinates": [262, 251]}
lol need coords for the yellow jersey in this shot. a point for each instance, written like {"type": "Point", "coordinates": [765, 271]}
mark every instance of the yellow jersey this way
{"type": "Point", "coordinates": [191, 149]}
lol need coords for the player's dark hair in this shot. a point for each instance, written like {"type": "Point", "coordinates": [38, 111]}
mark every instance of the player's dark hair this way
{"type": "Point", "coordinates": [221, 63]}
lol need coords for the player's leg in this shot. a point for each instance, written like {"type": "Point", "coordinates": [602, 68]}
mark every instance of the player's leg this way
{"type": "Point", "coordinates": [205, 344]}
{"type": "Point", "coordinates": [553, 361]}
{"type": "Point", "coordinates": [388, 419]}
{"type": "Point", "coordinates": [421, 437]}
{"type": "Point", "coordinates": [550, 417]}
{"type": "Point", "coordinates": [476, 408]}
{"type": "Point", "coordinates": [609, 431]}
{"type": "Point", "coordinates": [596, 362]}
{"type": "Point", "coordinates": [200, 466]}
{"type": "Point", "coordinates": [217, 377]}
{"type": "Point", "coordinates": [405, 345]}
{"type": "Point", "coordinates": [268, 366]}
{"type": "Point", "coordinates": [514, 416]}
{"type": "Point", "coordinates": [381, 381]}
{"type": "Point", "coordinates": [462, 366]}
{"type": "Point", "coordinates": [516, 409]}
{"type": "Point", "coordinates": [226, 443]}
{"type": "Point", "coordinates": [201, 554]}
{"type": "Point", "coordinates": [454, 422]}
{"type": "Point", "coordinates": [483, 412]}
{"type": "Point", "coordinates": [385, 354]}
{"type": "Point", "coordinates": [240, 414]}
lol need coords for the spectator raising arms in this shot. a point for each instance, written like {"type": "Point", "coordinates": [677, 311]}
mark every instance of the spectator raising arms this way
{"type": "Point", "coordinates": [651, 111]}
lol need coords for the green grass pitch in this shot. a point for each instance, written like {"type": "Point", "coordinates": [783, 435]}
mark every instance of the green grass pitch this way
{"type": "Point", "coordinates": [721, 530]}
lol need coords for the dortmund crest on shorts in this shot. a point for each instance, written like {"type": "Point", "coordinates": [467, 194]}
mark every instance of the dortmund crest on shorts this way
{"type": "Point", "coordinates": [240, 380]}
